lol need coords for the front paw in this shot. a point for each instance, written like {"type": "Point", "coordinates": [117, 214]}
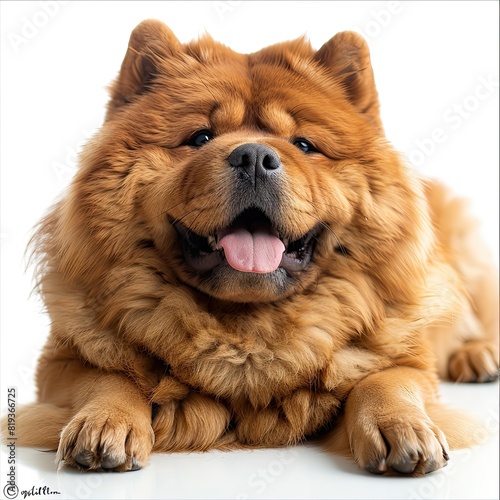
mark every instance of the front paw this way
{"type": "Point", "coordinates": [408, 443]}
{"type": "Point", "coordinates": [111, 439]}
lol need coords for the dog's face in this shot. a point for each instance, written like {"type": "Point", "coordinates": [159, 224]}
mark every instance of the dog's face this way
{"type": "Point", "coordinates": [249, 176]}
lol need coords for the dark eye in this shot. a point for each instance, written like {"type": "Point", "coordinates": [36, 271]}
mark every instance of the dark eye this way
{"type": "Point", "coordinates": [304, 145]}
{"type": "Point", "coordinates": [199, 138]}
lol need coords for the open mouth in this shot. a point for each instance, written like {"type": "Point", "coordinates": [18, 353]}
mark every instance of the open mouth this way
{"type": "Point", "coordinates": [249, 244]}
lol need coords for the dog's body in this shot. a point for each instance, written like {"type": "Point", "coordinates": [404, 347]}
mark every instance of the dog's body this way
{"type": "Point", "coordinates": [242, 255]}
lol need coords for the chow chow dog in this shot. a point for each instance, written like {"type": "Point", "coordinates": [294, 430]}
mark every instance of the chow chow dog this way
{"type": "Point", "coordinates": [243, 260]}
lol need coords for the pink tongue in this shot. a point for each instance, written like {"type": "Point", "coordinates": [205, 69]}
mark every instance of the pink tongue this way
{"type": "Point", "coordinates": [257, 252]}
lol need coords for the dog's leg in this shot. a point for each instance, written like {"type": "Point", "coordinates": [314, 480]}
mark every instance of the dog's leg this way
{"type": "Point", "coordinates": [476, 358]}
{"type": "Point", "coordinates": [111, 427]}
{"type": "Point", "coordinates": [93, 418]}
{"type": "Point", "coordinates": [467, 349]}
{"type": "Point", "coordinates": [107, 417]}
{"type": "Point", "coordinates": [387, 424]}
{"type": "Point", "coordinates": [475, 361]}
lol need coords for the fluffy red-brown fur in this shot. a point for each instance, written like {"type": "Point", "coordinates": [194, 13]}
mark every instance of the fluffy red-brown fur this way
{"type": "Point", "coordinates": [397, 288]}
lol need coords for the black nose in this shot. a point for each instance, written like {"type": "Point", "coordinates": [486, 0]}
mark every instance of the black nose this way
{"type": "Point", "coordinates": [256, 160]}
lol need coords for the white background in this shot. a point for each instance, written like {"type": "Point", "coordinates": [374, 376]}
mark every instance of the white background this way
{"type": "Point", "coordinates": [431, 62]}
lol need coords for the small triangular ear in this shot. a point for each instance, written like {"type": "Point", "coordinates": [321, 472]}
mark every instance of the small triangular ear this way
{"type": "Point", "coordinates": [150, 42]}
{"type": "Point", "coordinates": [347, 57]}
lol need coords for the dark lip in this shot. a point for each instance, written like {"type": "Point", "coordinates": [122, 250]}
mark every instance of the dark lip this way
{"type": "Point", "coordinates": [202, 257]}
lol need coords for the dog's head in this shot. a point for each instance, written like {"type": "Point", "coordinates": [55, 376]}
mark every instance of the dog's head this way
{"type": "Point", "coordinates": [247, 177]}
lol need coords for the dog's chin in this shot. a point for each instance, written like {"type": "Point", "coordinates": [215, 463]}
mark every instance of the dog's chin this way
{"type": "Point", "coordinates": [228, 284]}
